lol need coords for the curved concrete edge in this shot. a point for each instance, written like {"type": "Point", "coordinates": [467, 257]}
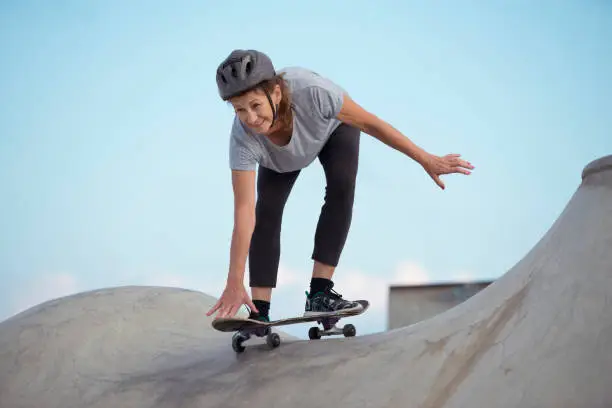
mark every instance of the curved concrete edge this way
{"type": "Point", "coordinates": [132, 291]}
{"type": "Point", "coordinates": [597, 166]}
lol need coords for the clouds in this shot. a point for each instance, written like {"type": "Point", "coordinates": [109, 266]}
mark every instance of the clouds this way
{"type": "Point", "coordinates": [410, 272]}
{"type": "Point", "coordinates": [413, 273]}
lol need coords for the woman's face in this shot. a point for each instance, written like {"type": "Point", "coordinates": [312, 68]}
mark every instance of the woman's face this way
{"type": "Point", "coordinates": [254, 110]}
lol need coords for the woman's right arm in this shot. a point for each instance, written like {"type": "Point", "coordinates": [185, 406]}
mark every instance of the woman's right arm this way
{"type": "Point", "coordinates": [235, 295]}
{"type": "Point", "coordinates": [243, 184]}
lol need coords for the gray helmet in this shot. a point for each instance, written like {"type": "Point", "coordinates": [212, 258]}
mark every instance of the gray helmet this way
{"type": "Point", "coordinates": [243, 70]}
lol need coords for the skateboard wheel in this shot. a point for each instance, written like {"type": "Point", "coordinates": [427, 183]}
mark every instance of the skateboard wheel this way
{"type": "Point", "coordinates": [237, 343]}
{"type": "Point", "coordinates": [314, 333]}
{"type": "Point", "coordinates": [349, 330]}
{"type": "Point", "coordinates": [273, 340]}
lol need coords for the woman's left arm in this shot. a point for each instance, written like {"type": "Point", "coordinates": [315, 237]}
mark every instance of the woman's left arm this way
{"type": "Point", "coordinates": [353, 114]}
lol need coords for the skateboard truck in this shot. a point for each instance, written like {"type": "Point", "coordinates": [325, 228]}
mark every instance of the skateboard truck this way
{"type": "Point", "coordinates": [331, 329]}
{"type": "Point", "coordinates": [272, 339]}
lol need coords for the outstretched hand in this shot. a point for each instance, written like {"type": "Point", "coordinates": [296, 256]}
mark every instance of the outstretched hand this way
{"type": "Point", "coordinates": [436, 166]}
{"type": "Point", "coordinates": [233, 297]}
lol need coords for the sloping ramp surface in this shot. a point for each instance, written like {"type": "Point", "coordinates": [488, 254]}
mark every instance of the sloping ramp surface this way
{"type": "Point", "coordinates": [539, 336]}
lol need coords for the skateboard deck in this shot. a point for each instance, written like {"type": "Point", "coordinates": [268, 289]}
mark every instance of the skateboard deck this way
{"type": "Point", "coordinates": [230, 324]}
{"type": "Point", "coordinates": [244, 327]}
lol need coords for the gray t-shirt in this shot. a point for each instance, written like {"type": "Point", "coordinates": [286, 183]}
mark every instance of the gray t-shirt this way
{"type": "Point", "coordinates": [316, 102]}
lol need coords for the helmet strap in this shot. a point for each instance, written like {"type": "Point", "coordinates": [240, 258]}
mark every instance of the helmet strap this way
{"type": "Point", "coordinates": [274, 108]}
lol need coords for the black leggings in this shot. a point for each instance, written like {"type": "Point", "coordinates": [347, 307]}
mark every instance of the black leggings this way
{"type": "Point", "coordinates": [339, 158]}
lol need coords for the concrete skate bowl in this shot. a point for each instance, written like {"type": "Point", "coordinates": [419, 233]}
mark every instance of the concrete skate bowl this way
{"type": "Point", "coordinates": [539, 336]}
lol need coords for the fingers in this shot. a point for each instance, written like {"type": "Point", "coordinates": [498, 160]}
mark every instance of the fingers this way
{"type": "Point", "coordinates": [221, 309]}
{"type": "Point", "coordinates": [456, 165]}
{"type": "Point", "coordinates": [214, 308]}
{"type": "Point", "coordinates": [462, 171]}
{"type": "Point", "coordinates": [448, 164]}
{"type": "Point", "coordinates": [460, 162]}
{"type": "Point", "coordinates": [230, 303]}
{"type": "Point", "coordinates": [455, 158]}
{"type": "Point", "coordinates": [231, 311]}
{"type": "Point", "coordinates": [225, 310]}
{"type": "Point", "coordinates": [466, 164]}
{"type": "Point", "coordinates": [438, 181]}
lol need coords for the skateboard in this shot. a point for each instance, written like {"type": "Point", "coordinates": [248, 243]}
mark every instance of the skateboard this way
{"type": "Point", "coordinates": [245, 328]}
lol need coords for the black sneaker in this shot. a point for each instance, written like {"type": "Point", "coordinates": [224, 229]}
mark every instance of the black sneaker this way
{"type": "Point", "coordinates": [328, 301]}
{"type": "Point", "coordinates": [256, 316]}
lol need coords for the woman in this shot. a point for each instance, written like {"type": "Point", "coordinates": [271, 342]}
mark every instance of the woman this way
{"type": "Point", "coordinates": [283, 122]}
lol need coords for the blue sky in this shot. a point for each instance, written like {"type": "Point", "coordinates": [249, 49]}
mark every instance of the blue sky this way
{"type": "Point", "coordinates": [113, 141]}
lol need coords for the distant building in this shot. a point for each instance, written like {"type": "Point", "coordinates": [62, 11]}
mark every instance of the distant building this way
{"type": "Point", "coordinates": [409, 304]}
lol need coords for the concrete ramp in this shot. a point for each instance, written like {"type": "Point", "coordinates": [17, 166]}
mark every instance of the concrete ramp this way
{"type": "Point", "coordinates": [540, 336]}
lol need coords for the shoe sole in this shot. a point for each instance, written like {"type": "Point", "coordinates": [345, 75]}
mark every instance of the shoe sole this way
{"type": "Point", "coordinates": [333, 313]}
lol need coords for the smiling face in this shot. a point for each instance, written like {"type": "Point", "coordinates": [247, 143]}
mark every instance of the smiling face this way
{"type": "Point", "coordinates": [254, 110]}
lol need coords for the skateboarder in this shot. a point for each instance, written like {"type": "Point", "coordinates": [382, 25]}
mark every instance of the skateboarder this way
{"type": "Point", "coordinates": [284, 121]}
